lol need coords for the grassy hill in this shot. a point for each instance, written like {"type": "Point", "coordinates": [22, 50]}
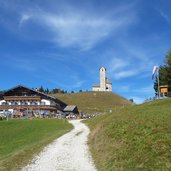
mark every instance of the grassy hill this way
{"type": "Point", "coordinates": [133, 138]}
{"type": "Point", "coordinates": [21, 139]}
{"type": "Point", "coordinates": [89, 102]}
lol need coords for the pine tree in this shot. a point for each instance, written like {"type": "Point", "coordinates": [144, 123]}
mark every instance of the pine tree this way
{"type": "Point", "coordinates": [168, 65]}
{"type": "Point", "coordinates": [47, 91]}
{"type": "Point", "coordinates": [162, 77]}
{"type": "Point", "coordinates": [41, 89]}
{"type": "Point", "coordinates": [164, 73]}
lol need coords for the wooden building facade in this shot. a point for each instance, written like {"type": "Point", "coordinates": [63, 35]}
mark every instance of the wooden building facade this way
{"type": "Point", "coordinates": [23, 101]}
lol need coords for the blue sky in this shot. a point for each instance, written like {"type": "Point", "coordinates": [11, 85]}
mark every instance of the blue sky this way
{"type": "Point", "coordinates": [63, 43]}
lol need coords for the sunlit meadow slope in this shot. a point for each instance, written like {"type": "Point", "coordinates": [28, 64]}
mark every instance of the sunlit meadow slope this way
{"type": "Point", "coordinates": [89, 102]}
{"type": "Point", "coordinates": [133, 138]}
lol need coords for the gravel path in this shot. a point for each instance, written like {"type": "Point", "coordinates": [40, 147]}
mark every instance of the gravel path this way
{"type": "Point", "coordinates": [67, 153]}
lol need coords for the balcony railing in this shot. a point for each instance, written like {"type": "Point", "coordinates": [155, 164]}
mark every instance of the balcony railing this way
{"type": "Point", "coordinates": [6, 106]}
{"type": "Point", "coordinates": [22, 97]}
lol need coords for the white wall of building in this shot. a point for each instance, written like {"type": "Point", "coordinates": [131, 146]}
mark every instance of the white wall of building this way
{"type": "Point", "coordinates": [96, 89]}
{"type": "Point", "coordinates": [47, 102]}
{"type": "Point", "coordinates": [2, 101]}
{"type": "Point", "coordinates": [10, 110]}
{"type": "Point", "coordinates": [108, 87]}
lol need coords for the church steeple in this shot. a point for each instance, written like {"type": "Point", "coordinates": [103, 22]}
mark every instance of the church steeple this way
{"type": "Point", "coordinates": [103, 79]}
{"type": "Point", "coordinates": [105, 84]}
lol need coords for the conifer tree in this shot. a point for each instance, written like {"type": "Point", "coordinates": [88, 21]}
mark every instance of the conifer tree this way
{"type": "Point", "coordinates": [41, 89]}
{"type": "Point", "coordinates": [168, 67]}
{"type": "Point", "coordinates": [164, 73]}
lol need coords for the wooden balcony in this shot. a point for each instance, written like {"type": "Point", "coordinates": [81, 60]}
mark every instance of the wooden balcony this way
{"type": "Point", "coordinates": [32, 107]}
{"type": "Point", "coordinates": [22, 98]}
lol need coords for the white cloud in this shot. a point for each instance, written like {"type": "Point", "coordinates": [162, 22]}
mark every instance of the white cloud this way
{"type": "Point", "coordinates": [118, 68]}
{"type": "Point", "coordinates": [116, 64]}
{"type": "Point", "coordinates": [23, 64]}
{"type": "Point", "coordinates": [80, 29]}
{"type": "Point", "coordinates": [137, 100]}
{"type": "Point", "coordinates": [166, 17]}
{"type": "Point", "coordinates": [139, 61]}
{"type": "Point", "coordinates": [125, 74]}
{"type": "Point", "coordinates": [24, 18]}
{"type": "Point", "coordinates": [147, 92]}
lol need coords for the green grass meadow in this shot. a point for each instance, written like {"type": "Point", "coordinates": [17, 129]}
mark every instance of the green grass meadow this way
{"type": "Point", "coordinates": [90, 102]}
{"type": "Point", "coordinates": [21, 139]}
{"type": "Point", "coordinates": [133, 138]}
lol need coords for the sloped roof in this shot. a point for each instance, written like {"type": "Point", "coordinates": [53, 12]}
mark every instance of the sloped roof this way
{"type": "Point", "coordinates": [69, 108]}
{"type": "Point", "coordinates": [21, 86]}
{"type": "Point", "coordinates": [102, 67]}
{"type": "Point", "coordinates": [108, 81]}
{"type": "Point", "coordinates": [96, 85]}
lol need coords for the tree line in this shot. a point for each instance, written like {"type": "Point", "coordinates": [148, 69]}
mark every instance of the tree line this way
{"type": "Point", "coordinates": [54, 91]}
{"type": "Point", "coordinates": [164, 73]}
{"type": "Point", "coordinates": [48, 91]}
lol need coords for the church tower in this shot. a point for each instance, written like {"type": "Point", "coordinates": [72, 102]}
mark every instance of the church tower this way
{"type": "Point", "coordinates": [105, 83]}
{"type": "Point", "coordinates": [102, 79]}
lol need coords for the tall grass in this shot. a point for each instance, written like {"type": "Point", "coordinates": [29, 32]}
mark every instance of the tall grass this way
{"type": "Point", "coordinates": [21, 139]}
{"type": "Point", "coordinates": [135, 138]}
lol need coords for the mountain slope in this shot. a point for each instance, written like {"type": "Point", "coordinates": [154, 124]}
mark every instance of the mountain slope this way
{"type": "Point", "coordinates": [134, 138]}
{"type": "Point", "coordinates": [88, 102]}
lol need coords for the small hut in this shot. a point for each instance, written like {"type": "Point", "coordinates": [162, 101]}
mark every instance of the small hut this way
{"type": "Point", "coordinates": [71, 111]}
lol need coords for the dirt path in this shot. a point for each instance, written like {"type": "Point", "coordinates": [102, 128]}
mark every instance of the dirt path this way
{"type": "Point", "coordinates": [67, 153]}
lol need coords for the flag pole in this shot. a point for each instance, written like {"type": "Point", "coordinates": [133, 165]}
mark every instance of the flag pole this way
{"type": "Point", "coordinates": [158, 84]}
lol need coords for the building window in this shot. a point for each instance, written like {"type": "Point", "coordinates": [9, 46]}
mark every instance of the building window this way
{"type": "Point", "coordinates": [43, 103]}
{"type": "Point", "coordinates": [15, 103]}
{"type": "Point", "coordinates": [34, 103]}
